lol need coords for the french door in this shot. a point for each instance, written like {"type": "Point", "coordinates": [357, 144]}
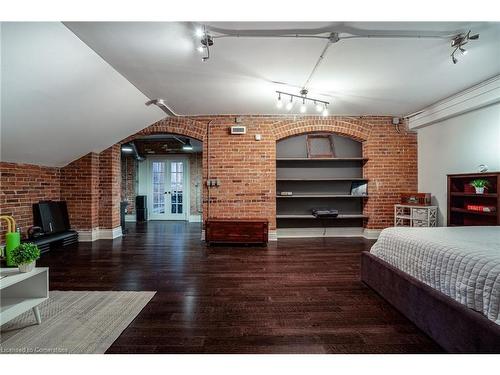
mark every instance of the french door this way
{"type": "Point", "coordinates": [168, 189]}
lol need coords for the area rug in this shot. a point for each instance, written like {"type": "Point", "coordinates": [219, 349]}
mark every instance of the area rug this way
{"type": "Point", "coordinates": [73, 322]}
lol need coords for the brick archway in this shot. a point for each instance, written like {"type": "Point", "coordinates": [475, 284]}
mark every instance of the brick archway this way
{"type": "Point", "coordinates": [355, 129]}
{"type": "Point", "coordinates": [173, 125]}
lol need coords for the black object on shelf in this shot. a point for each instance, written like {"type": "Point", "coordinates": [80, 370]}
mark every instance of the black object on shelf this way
{"type": "Point", "coordinates": [141, 214]}
{"type": "Point", "coordinates": [123, 211]}
{"type": "Point", "coordinates": [141, 201]}
{"type": "Point", "coordinates": [325, 213]}
{"type": "Point", "coordinates": [53, 220]}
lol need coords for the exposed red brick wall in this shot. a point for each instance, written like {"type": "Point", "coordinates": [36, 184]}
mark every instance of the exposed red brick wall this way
{"type": "Point", "coordinates": [109, 187]}
{"type": "Point", "coordinates": [129, 177]}
{"type": "Point", "coordinates": [247, 170]}
{"type": "Point", "coordinates": [21, 186]}
{"type": "Point", "coordinates": [196, 182]}
{"type": "Point", "coordinates": [80, 189]}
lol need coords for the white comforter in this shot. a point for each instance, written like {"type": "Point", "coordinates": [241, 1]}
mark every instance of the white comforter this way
{"type": "Point", "coordinates": [461, 262]}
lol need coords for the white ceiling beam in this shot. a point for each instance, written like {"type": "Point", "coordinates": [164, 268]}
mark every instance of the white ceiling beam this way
{"type": "Point", "coordinates": [478, 96]}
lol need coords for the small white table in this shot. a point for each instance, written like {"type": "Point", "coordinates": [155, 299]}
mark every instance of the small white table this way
{"type": "Point", "coordinates": [406, 215]}
{"type": "Point", "coordinates": [20, 292]}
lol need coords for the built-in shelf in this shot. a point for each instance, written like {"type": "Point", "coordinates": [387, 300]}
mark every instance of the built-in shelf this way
{"type": "Point", "coordinates": [322, 159]}
{"type": "Point", "coordinates": [326, 182]}
{"type": "Point", "coordinates": [321, 196]}
{"type": "Point", "coordinates": [485, 195]}
{"type": "Point", "coordinates": [321, 179]}
{"type": "Point", "coordinates": [310, 216]}
{"type": "Point", "coordinates": [463, 210]}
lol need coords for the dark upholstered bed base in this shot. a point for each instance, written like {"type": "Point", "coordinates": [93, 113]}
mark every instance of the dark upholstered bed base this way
{"type": "Point", "coordinates": [455, 327]}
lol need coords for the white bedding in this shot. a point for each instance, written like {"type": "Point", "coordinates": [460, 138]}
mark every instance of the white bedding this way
{"type": "Point", "coordinates": [461, 262]}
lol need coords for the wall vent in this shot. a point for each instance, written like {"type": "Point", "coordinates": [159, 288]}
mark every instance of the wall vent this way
{"type": "Point", "coordinates": [238, 129]}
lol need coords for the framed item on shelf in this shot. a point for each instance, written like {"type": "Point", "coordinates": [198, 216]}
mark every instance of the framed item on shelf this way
{"type": "Point", "coordinates": [359, 188]}
{"type": "Point", "coordinates": [320, 146]}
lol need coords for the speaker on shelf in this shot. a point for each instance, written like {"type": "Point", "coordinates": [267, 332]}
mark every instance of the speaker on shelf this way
{"type": "Point", "coordinates": [141, 201]}
{"type": "Point", "coordinates": [141, 214]}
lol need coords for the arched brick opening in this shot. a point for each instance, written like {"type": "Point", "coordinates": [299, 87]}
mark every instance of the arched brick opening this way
{"type": "Point", "coordinates": [354, 129]}
{"type": "Point", "coordinates": [173, 125]}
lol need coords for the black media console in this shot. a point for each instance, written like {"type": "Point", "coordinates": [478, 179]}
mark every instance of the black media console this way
{"type": "Point", "coordinates": [53, 219]}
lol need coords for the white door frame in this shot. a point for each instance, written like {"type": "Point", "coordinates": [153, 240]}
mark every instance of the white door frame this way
{"type": "Point", "coordinates": [186, 185]}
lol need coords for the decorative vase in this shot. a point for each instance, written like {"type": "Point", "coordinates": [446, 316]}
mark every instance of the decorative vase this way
{"type": "Point", "coordinates": [27, 267]}
{"type": "Point", "coordinates": [479, 190]}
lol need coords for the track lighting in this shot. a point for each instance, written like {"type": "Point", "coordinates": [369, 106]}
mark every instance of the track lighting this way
{"type": "Point", "coordinates": [206, 42]}
{"type": "Point", "coordinates": [325, 111]}
{"type": "Point", "coordinates": [279, 103]}
{"type": "Point", "coordinates": [199, 32]}
{"type": "Point", "coordinates": [458, 44]}
{"type": "Point", "coordinates": [303, 107]}
{"type": "Point", "coordinates": [320, 105]}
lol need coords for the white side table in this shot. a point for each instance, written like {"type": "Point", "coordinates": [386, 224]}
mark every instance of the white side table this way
{"type": "Point", "coordinates": [20, 292]}
{"type": "Point", "coordinates": [415, 216]}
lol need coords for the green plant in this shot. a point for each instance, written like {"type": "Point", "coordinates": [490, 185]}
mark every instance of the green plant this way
{"type": "Point", "coordinates": [479, 183]}
{"type": "Point", "coordinates": [25, 253]}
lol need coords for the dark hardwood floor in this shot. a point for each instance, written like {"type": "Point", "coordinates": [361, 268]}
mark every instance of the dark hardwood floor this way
{"type": "Point", "coordinates": [295, 296]}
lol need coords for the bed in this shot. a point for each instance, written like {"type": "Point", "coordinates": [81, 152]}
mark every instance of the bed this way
{"type": "Point", "coordinates": [446, 280]}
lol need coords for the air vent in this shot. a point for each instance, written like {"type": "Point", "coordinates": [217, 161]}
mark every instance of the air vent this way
{"type": "Point", "coordinates": [238, 129]}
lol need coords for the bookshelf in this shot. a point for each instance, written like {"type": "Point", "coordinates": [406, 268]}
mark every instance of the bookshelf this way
{"type": "Point", "coordinates": [461, 197]}
{"type": "Point", "coordinates": [318, 182]}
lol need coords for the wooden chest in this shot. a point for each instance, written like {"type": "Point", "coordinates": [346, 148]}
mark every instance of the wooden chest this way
{"type": "Point", "coordinates": [247, 231]}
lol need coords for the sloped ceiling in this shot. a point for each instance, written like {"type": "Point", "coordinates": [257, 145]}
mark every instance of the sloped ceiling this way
{"type": "Point", "coordinates": [68, 89]}
{"type": "Point", "coordinates": [360, 76]}
{"type": "Point", "coordinates": [59, 99]}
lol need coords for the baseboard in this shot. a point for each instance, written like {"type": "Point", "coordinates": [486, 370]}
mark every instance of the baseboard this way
{"type": "Point", "coordinates": [88, 235]}
{"type": "Point", "coordinates": [99, 234]}
{"type": "Point", "coordinates": [371, 234]}
{"type": "Point", "coordinates": [329, 232]}
{"type": "Point", "coordinates": [110, 234]}
{"type": "Point", "coordinates": [130, 218]}
{"type": "Point", "coordinates": [195, 218]}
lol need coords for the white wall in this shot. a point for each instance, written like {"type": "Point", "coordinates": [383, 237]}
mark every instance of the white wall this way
{"type": "Point", "coordinates": [457, 145]}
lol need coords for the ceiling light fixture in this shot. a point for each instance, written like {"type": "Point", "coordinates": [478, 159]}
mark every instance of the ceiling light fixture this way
{"type": "Point", "coordinates": [206, 42]}
{"type": "Point", "coordinates": [127, 149]}
{"type": "Point", "coordinates": [187, 146]}
{"type": "Point", "coordinates": [458, 43]}
{"type": "Point", "coordinates": [279, 103]}
{"type": "Point", "coordinates": [320, 105]}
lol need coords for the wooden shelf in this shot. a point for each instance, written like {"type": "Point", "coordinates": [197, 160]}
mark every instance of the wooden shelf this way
{"type": "Point", "coordinates": [322, 179]}
{"type": "Point", "coordinates": [310, 216]}
{"type": "Point", "coordinates": [322, 159]}
{"type": "Point", "coordinates": [321, 196]}
{"type": "Point", "coordinates": [463, 210]}
{"type": "Point", "coordinates": [485, 195]}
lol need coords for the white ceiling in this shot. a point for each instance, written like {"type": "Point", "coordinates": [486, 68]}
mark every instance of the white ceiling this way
{"type": "Point", "coordinates": [64, 95]}
{"type": "Point", "coordinates": [360, 76]}
{"type": "Point", "coordinates": [59, 99]}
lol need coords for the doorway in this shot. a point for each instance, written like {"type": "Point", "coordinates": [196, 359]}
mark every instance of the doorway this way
{"type": "Point", "coordinates": [168, 190]}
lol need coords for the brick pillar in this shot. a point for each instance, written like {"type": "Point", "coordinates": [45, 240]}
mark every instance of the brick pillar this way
{"type": "Point", "coordinates": [80, 189]}
{"type": "Point", "coordinates": [110, 192]}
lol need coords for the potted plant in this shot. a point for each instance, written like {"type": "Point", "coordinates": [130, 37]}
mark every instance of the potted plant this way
{"type": "Point", "coordinates": [25, 256]}
{"type": "Point", "coordinates": [479, 185]}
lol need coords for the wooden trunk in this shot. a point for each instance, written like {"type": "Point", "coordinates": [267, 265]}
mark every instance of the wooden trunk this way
{"type": "Point", "coordinates": [247, 231]}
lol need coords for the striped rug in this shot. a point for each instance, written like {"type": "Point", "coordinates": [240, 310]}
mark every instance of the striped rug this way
{"type": "Point", "coordinates": [74, 322]}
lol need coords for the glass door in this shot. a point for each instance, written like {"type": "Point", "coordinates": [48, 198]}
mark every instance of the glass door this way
{"type": "Point", "coordinates": [168, 187]}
